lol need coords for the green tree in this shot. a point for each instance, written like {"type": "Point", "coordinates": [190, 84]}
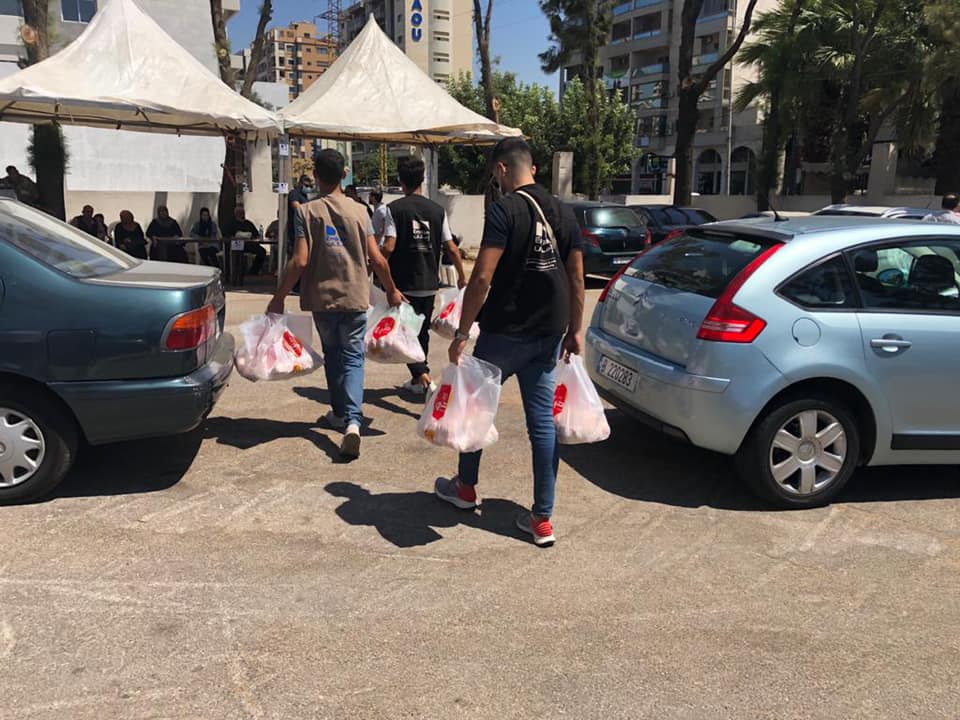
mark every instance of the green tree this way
{"type": "Point", "coordinates": [777, 87]}
{"type": "Point", "coordinates": [692, 84]}
{"type": "Point", "coordinates": [366, 168]}
{"type": "Point", "coordinates": [578, 30]}
{"type": "Point", "coordinates": [943, 73]}
{"type": "Point", "coordinates": [613, 148]}
{"type": "Point", "coordinates": [47, 150]}
{"type": "Point", "coordinates": [532, 108]}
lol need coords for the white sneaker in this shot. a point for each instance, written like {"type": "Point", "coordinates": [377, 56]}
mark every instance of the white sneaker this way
{"type": "Point", "coordinates": [335, 421]}
{"type": "Point", "coordinates": [350, 447]}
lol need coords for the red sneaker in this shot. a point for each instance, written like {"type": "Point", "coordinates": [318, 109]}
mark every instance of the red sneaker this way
{"type": "Point", "coordinates": [456, 493]}
{"type": "Point", "coordinates": [541, 529]}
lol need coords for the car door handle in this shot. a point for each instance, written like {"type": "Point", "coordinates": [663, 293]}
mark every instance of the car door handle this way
{"type": "Point", "coordinates": [890, 345]}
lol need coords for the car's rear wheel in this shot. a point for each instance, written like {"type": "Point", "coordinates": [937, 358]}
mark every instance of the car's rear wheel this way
{"type": "Point", "coordinates": [802, 452]}
{"type": "Point", "coordinates": [38, 442]}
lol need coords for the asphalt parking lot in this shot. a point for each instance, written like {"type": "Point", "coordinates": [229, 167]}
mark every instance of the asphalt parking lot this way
{"type": "Point", "coordinates": [242, 572]}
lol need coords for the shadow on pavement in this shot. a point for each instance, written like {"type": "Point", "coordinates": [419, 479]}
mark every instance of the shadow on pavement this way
{"type": "Point", "coordinates": [640, 464]}
{"type": "Point", "coordinates": [408, 519]}
{"type": "Point", "coordinates": [377, 398]}
{"type": "Point", "coordinates": [141, 466]}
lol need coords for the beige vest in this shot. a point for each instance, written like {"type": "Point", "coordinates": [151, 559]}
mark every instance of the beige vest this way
{"type": "Point", "coordinates": [336, 278]}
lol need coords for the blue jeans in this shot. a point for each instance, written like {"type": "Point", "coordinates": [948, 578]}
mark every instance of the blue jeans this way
{"type": "Point", "coordinates": [533, 360]}
{"type": "Point", "coordinates": [341, 335]}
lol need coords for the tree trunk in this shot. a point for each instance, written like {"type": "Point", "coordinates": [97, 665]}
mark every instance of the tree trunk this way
{"type": "Point", "coordinates": [686, 132]}
{"type": "Point", "coordinates": [256, 51]}
{"type": "Point", "coordinates": [481, 23]}
{"type": "Point", "coordinates": [228, 184]}
{"type": "Point", "coordinates": [948, 139]}
{"type": "Point", "coordinates": [47, 150]}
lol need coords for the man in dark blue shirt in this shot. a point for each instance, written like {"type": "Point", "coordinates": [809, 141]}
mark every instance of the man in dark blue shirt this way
{"type": "Point", "coordinates": [531, 263]}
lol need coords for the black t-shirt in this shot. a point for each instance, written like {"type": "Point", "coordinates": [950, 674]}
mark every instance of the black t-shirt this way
{"type": "Point", "coordinates": [164, 229]}
{"type": "Point", "coordinates": [415, 262]}
{"type": "Point", "coordinates": [296, 196]}
{"type": "Point", "coordinates": [132, 241]}
{"type": "Point", "coordinates": [530, 292]}
{"type": "Point", "coordinates": [240, 226]}
{"type": "Point", "coordinates": [89, 226]}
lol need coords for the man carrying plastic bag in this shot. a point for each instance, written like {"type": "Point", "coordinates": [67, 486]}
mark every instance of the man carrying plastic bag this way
{"type": "Point", "coordinates": [334, 244]}
{"type": "Point", "coordinates": [531, 261]}
{"type": "Point", "coordinates": [276, 347]}
{"type": "Point", "coordinates": [577, 409]}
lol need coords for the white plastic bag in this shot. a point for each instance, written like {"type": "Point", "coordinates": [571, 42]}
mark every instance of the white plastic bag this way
{"type": "Point", "coordinates": [276, 347]}
{"type": "Point", "coordinates": [449, 308]}
{"type": "Point", "coordinates": [392, 335]}
{"type": "Point", "coordinates": [460, 413]}
{"type": "Point", "coordinates": [577, 410]}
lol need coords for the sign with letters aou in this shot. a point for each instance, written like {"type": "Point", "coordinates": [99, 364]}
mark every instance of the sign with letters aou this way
{"type": "Point", "coordinates": [416, 21]}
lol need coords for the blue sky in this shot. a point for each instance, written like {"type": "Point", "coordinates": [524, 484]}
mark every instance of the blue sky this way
{"type": "Point", "coordinates": [519, 31]}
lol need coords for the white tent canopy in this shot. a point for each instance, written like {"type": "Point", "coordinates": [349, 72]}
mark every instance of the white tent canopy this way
{"type": "Point", "coordinates": [374, 92]}
{"type": "Point", "coordinates": [124, 71]}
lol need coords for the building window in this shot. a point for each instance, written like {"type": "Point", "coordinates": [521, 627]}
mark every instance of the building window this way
{"type": "Point", "coordinates": [78, 10]}
{"type": "Point", "coordinates": [11, 7]}
{"type": "Point", "coordinates": [291, 48]}
{"type": "Point", "coordinates": [306, 35]}
{"type": "Point", "coordinates": [441, 14]}
{"type": "Point", "coordinates": [441, 36]}
{"type": "Point", "coordinates": [283, 74]}
{"type": "Point", "coordinates": [441, 57]}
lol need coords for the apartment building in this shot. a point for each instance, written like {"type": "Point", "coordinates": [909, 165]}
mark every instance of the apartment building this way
{"type": "Point", "coordinates": [640, 62]}
{"type": "Point", "coordinates": [437, 35]}
{"type": "Point", "coordinates": [296, 56]}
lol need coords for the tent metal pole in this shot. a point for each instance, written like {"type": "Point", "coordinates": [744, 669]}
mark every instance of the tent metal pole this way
{"type": "Point", "coordinates": [283, 179]}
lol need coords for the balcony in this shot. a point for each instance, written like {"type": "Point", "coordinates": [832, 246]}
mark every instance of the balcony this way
{"type": "Point", "coordinates": [647, 70]}
{"type": "Point", "coordinates": [624, 8]}
{"type": "Point", "coordinates": [653, 103]}
{"type": "Point", "coordinates": [706, 59]}
{"type": "Point", "coordinates": [647, 34]}
{"type": "Point", "coordinates": [646, 3]}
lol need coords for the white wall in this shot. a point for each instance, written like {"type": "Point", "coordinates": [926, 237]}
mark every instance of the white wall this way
{"type": "Point", "coordinates": [465, 213]}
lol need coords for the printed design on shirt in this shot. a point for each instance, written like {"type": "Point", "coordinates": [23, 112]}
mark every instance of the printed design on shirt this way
{"type": "Point", "coordinates": [542, 258]}
{"type": "Point", "coordinates": [333, 235]}
{"type": "Point", "coordinates": [420, 236]}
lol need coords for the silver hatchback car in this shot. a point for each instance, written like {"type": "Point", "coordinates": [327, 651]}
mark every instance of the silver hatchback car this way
{"type": "Point", "coordinates": [804, 347]}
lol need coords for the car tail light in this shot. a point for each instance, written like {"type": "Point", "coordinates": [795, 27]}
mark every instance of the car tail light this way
{"type": "Point", "coordinates": [590, 238]}
{"type": "Point", "coordinates": [727, 322]}
{"type": "Point", "coordinates": [673, 234]}
{"type": "Point", "coordinates": [190, 330]}
{"type": "Point", "coordinates": [648, 239]}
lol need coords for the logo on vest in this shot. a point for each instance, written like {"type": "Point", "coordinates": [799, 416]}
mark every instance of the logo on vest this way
{"type": "Point", "coordinates": [420, 236]}
{"type": "Point", "coordinates": [332, 237]}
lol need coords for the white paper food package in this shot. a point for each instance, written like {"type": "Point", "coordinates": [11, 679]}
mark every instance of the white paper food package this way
{"type": "Point", "coordinates": [460, 413]}
{"type": "Point", "coordinates": [577, 409]}
{"type": "Point", "coordinates": [449, 309]}
{"type": "Point", "coordinates": [392, 335]}
{"type": "Point", "coordinates": [276, 347]}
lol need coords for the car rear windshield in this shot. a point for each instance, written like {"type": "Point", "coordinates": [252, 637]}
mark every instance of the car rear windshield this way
{"type": "Point", "coordinates": [59, 245]}
{"type": "Point", "coordinates": [698, 217]}
{"type": "Point", "coordinates": [698, 262]}
{"type": "Point", "coordinates": [612, 217]}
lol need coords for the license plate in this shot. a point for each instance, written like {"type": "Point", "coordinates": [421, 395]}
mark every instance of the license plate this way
{"type": "Point", "coordinates": [621, 260]}
{"type": "Point", "coordinates": [623, 376]}
{"type": "Point", "coordinates": [237, 245]}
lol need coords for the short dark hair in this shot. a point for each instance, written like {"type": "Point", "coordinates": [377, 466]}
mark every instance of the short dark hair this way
{"type": "Point", "coordinates": [950, 201]}
{"type": "Point", "coordinates": [306, 178]}
{"type": "Point", "coordinates": [512, 152]}
{"type": "Point", "coordinates": [411, 171]}
{"type": "Point", "coordinates": [12, 167]}
{"type": "Point", "coordinates": [328, 165]}
{"type": "Point", "coordinates": [376, 193]}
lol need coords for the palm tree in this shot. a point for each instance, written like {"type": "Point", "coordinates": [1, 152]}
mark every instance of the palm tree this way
{"type": "Point", "coordinates": [48, 154]}
{"type": "Point", "coordinates": [943, 75]}
{"type": "Point", "coordinates": [578, 29]}
{"type": "Point", "coordinates": [777, 58]}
